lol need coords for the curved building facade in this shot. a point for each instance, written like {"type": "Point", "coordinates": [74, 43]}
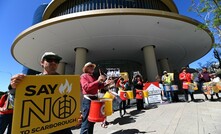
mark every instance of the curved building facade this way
{"type": "Point", "coordinates": [36, 19]}
{"type": "Point", "coordinates": [134, 35]}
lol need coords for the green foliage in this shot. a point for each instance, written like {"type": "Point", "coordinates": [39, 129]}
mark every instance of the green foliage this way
{"type": "Point", "coordinates": [210, 13]}
{"type": "Point", "coordinates": [204, 10]}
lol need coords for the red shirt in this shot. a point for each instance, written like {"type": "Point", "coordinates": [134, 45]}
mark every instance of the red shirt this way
{"type": "Point", "coordinates": [3, 104]}
{"type": "Point", "coordinates": [185, 77]}
{"type": "Point", "coordinates": [89, 84]}
{"type": "Point", "coordinates": [122, 85]}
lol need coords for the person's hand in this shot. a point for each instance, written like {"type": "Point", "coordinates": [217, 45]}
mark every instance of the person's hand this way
{"type": "Point", "coordinates": [139, 82]}
{"type": "Point", "coordinates": [80, 120]}
{"type": "Point", "coordinates": [108, 82]}
{"type": "Point", "coordinates": [16, 79]}
{"type": "Point", "coordinates": [101, 78]}
{"type": "Point", "coordinates": [201, 76]}
{"type": "Point", "coordinates": [2, 109]}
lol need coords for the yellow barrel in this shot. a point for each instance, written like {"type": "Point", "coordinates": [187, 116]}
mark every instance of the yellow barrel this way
{"type": "Point", "coordinates": [130, 94]}
{"type": "Point", "coordinates": [145, 93]}
{"type": "Point", "coordinates": [108, 95]}
{"type": "Point", "coordinates": [195, 86]}
{"type": "Point", "coordinates": [108, 108]}
{"type": "Point", "coordinates": [215, 89]}
{"type": "Point", "coordinates": [218, 85]}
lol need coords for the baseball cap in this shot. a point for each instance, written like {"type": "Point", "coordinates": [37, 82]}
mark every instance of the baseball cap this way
{"type": "Point", "coordinates": [50, 55]}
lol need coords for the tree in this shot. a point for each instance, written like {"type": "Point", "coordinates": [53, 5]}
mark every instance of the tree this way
{"type": "Point", "coordinates": [210, 13]}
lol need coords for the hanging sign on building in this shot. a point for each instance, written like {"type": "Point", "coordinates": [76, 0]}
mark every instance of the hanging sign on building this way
{"type": "Point", "coordinates": [154, 92]}
{"type": "Point", "coordinates": [44, 104]}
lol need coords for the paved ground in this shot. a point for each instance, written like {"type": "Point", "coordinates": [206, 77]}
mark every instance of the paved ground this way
{"type": "Point", "coordinates": [166, 118]}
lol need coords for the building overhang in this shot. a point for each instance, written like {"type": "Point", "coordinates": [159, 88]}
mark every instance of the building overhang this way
{"type": "Point", "coordinates": [114, 34]}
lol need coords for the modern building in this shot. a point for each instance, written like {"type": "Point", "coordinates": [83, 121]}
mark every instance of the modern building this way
{"type": "Point", "coordinates": [134, 35]}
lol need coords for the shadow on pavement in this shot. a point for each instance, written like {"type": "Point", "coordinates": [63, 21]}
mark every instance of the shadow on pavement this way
{"type": "Point", "coordinates": [124, 120]}
{"type": "Point", "coordinates": [150, 106]}
{"type": "Point", "coordinates": [136, 112]}
{"type": "Point", "coordinates": [129, 131]}
{"type": "Point", "coordinates": [214, 100]}
{"type": "Point", "coordinates": [198, 100]}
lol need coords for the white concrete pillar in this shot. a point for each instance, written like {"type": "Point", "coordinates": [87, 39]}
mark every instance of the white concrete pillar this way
{"type": "Point", "coordinates": [80, 59]}
{"type": "Point", "coordinates": [164, 65]}
{"type": "Point", "coordinates": [61, 68]}
{"type": "Point", "coordinates": [150, 62]}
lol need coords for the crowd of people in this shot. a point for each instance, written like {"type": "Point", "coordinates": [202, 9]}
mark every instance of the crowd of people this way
{"type": "Point", "coordinates": [91, 86]}
{"type": "Point", "coordinates": [191, 81]}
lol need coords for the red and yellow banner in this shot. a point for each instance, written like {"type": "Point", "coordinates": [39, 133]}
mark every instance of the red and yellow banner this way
{"type": "Point", "coordinates": [44, 104]}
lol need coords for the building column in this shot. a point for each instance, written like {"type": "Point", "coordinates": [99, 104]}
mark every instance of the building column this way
{"type": "Point", "coordinates": [150, 62]}
{"type": "Point", "coordinates": [80, 59]}
{"type": "Point", "coordinates": [61, 68]}
{"type": "Point", "coordinates": [164, 65]}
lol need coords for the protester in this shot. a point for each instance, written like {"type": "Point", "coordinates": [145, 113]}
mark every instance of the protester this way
{"type": "Point", "coordinates": [214, 79]}
{"type": "Point", "coordinates": [204, 77]}
{"type": "Point", "coordinates": [6, 114]}
{"type": "Point", "coordinates": [122, 85]}
{"type": "Point", "coordinates": [138, 85]}
{"type": "Point", "coordinates": [158, 79]}
{"type": "Point", "coordinates": [49, 63]}
{"type": "Point", "coordinates": [90, 86]}
{"type": "Point", "coordinates": [167, 81]}
{"type": "Point", "coordinates": [186, 78]}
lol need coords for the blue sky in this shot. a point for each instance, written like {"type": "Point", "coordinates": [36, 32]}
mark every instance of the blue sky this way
{"type": "Point", "coordinates": [16, 16]}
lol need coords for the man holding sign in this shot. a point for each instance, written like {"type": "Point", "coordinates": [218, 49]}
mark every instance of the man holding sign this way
{"type": "Point", "coordinates": [49, 63]}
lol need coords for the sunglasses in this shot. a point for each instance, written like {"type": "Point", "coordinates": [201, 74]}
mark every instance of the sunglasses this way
{"type": "Point", "coordinates": [52, 60]}
{"type": "Point", "coordinates": [90, 66]}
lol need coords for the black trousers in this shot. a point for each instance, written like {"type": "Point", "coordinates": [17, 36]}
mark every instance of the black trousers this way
{"type": "Point", "coordinates": [140, 104]}
{"type": "Point", "coordinates": [186, 92]}
{"type": "Point", "coordinates": [122, 107]}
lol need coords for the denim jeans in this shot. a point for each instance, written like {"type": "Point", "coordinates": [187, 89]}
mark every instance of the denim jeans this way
{"type": "Point", "coordinates": [87, 127]}
{"type": "Point", "coordinates": [5, 120]}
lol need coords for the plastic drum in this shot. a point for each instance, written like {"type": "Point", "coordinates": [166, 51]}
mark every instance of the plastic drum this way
{"type": "Point", "coordinates": [123, 95]}
{"type": "Point", "coordinates": [130, 94]}
{"type": "Point", "coordinates": [218, 85]}
{"type": "Point", "coordinates": [145, 93]}
{"type": "Point", "coordinates": [167, 88]}
{"type": "Point", "coordinates": [108, 109]}
{"type": "Point", "coordinates": [174, 88]}
{"type": "Point", "coordinates": [139, 94]}
{"type": "Point", "coordinates": [108, 95]}
{"type": "Point", "coordinates": [215, 89]}
{"type": "Point", "coordinates": [191, 87]}
{"type": "Point", "coordinates": [207, 88]}
{"type": "Point", "coordinates": [96, 113]}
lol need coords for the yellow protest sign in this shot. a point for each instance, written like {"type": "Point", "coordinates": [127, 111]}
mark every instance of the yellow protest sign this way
{"type": "Point", "coordinates": [47, 103]}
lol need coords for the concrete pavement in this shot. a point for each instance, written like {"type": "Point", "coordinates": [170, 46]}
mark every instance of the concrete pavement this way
{"type": "Point", "coordinates": [166, 118]}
